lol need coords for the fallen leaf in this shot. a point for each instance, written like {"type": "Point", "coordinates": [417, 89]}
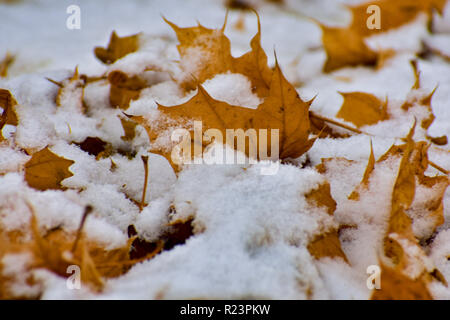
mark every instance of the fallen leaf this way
{"type": "Point", "coordinates": [5, 63]}
{"type": "Point", "coordinates": [423, 100]}
{"type": "Point", "coordinates": [8, 116]}
{"type": "Point", "coordinates": [362, 109]}
{"type": "Point", "coordinates": [282, 109]}
{"type": "Point", "coordinates": [346, 47]}
{"type": "Point", "coordinates": [321, 196]}
{"type": "Point", "coordinates": [326, 245]}
{"type": "Point", "coordinates": [209, 51]}
{"type": "Point", "coordinates": [365, 180]}
{"type": "Point", "coordinates": [355, 52]}
{"type": "Point", "coordinates": [129, 129]}
{"type": "Point", "coordinates": [118, 47]}
{"type": "Point", "coordinates": [393, 14]}
{"type": "Point", "coordinates": [397, 286]}
{"type": "Point", "coordinates": [409, 275]}
{"type": "Point", "coordinates": [92, 145]}
{"type": "Point", "coordinates": [124, 89]}
{"type": "Point", "coordinates": [45, 170]}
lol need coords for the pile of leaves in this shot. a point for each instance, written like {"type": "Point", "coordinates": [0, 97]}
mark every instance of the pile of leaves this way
{"type": "Point", "coordinates": [403, 248]}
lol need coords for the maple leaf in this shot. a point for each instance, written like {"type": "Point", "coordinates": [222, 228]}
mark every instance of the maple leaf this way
{"type": "Point", "coordinates": [8, 116]}
{"type": "Point", "coordinates": [365, 180]}
{"type": "Point", "coordinates": [57, 250]}
{"type": "Point", "coordinates": [394, 14]}
{"type": "Point", "coordinates": [53, 252]}
{"type": "Point", "coordinates": [129, 129]}
{"type": "Point", "coordinates": [326, 244]}
{"type": "Point", "coordinates": [124, 89]}
{"type": "Point", "coordinates": [424, 100]}
{"type": "Point", "coordinates": [282, 109]}
{"type": "Point", "coordinates": [397, 286]}
{"type": "Point", "coordinates": [118, 47]}
{"type": "Point", "coordinates": [355, 52]}
{"type": "Point", "coordinates": [210, 51]}
{"type": "Point", "coordinates": [400, 243]}
{"type": "Point", "coordinates": [321, 196]}
{"type": "Point", "coordinates": [45, 170]}
{"type": "Point", "coordinates": [346, 46]}
{"type": "Point", "coordinates": [362, 109]}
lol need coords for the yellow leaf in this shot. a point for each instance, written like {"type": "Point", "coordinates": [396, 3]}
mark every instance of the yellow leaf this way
{"type": "Point", "coordinates": [322, 197]}
{"type": "Point", "coordinates": [118, 47]}
{"type": "Point", "coordinates": [403, 192]}
{"type": "Point", "coordinates": [124, 89]}
{"type": "Point", "coordinates": [345, 47]}
{"type": "Point", "coordinates": [211, 51]}
{"type": "Point", "coordinates": [8, 115]}
{"type": "Point", "coordinates": [283, 110]}
{"type": "Point", "coordinates": [365, 180]}
{"type": "Point", "coordinates": [129, 129]}
{"type": "Point", "coordinates": [397, 286]}
{"type": "Point", "coordinates": [326, 245]}
{"type": "Point", "coordinates": [362, 109]}
{"type": "Point", "coordinates": [45, 170]}
{"type": "Point", "coordinates": [393, 14]}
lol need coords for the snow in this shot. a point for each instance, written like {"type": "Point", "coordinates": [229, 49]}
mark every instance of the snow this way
{"type": "Point", "coordinates": [251, 230]}
{"type": "Point", "coordinates": [232, 88]}
{"type": "Point", "coordinates": [247, 266]}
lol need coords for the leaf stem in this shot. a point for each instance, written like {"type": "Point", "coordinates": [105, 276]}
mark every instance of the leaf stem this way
{"type": "Point", "coordinates": [144, 192]}
{"type": "Point", "coordinates": [313, 115]}
{"type": "Point", "coordinates": [87, 210]}
{"type": "Point", "coordinates": [434, 165]}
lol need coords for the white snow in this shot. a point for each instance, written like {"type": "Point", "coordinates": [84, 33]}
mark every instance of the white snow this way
{"type": "Point", "coordinates": [251, 231]}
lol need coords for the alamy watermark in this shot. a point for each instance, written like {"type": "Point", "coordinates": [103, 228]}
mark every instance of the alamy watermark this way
{"type": "Point", "coordinates": [74, 281]}
{"type": "Point", "coordinates": [73, 21]}
{"type": "Point", "coordinates": [374, 20]}
{"type": "Point", "coordinates": [374, 280]}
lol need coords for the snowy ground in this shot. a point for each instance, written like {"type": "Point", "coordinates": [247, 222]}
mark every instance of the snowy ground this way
{"type": "Point", "coordinates": [250, 231]}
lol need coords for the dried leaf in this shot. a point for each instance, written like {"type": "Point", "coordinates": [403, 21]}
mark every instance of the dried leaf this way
{"type": "Point", "coordinates": [211, 51]}
{"type": "Point", "coordinates": [354, 53]}
{"type": "Point", "coordinates": [124, 89]}
{"type": "Point", "coordinates": [322, 197]}
{"type": "Point", "coordinates": [5, 63]}
{"type": "Point", "coordinates": [362, 109]}
{"type": "Point", "coordinates": [394, 14]}
{"type": "Point", "coordinates": [129, 129]}
{"type": "Point", "coordinates": [403, 193]}
{"type": "Point", "coordinates": [400, 243]}
{"type": "Point", "coordinates": [326, 245]}
{"type": "Point", "coordinates": [346, 46]}
{"type": "Point", "coordinates": [365, 180]}
{"type": "Point", "coordinates": [118, 47]}
{"type": "Point", "coordinates": [93, 145]}
{"type": "Point", "coordinates": [45, 170]}
{"type": "Point", "coordinates": [397, 286]}
{"type": "Point", "coordinates": [283, 110]}
{"type": "Point", "coordinates": [423, 100]}
{"type": "Point", "coordinates": [8, 116]}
